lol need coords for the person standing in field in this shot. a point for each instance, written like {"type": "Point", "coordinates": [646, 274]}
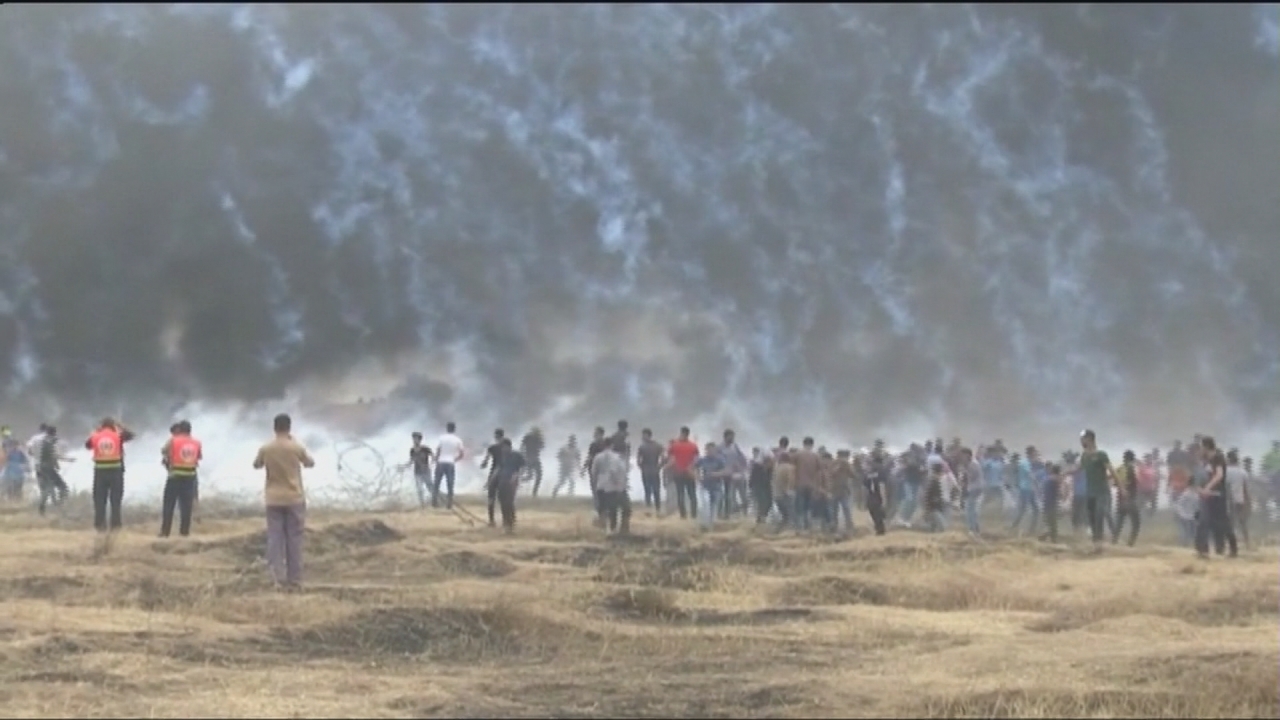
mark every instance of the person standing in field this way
{"type": "Point", "coordinates": [283, 459]}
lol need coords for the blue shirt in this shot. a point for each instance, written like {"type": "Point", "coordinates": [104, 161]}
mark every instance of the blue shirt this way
{"type": "Point", "coordinates": [992, 472]}
{"type": "Point", "coordinates": [1026, 479]}
{"type": "Point", "coordinates": [708, 464]}
{"type": "Point", "coordinates": [15, 460]}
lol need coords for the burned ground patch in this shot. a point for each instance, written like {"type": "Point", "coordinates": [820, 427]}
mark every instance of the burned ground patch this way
{"type": "Point", "coordinates": [56, 588]}
{"type": "Point", "coordinates": [659, 605]}
{"type": "Point", "coordinates": [467, 563]}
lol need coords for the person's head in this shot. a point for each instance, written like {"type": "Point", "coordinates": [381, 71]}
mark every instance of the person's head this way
{"type": "Point", "coordinates": [728, 436]}
{"type": "Point", "coordinates": [417, 438]}
{"type": "Point", "coordinates": [51, 431]}
{"type": "Point", "coordinates": [44, 427]}
{"type": "Point", "coordinates": [5, 432]}
{"type": "Point", "coordinates": [450, 427]}
{"type": "Point", "coordinates": [174, 429]}
{"type": "Point", "coordinates": [646, 434]}
{"type": "Point", "coordinates": [107, 422]}
{"type": "Point", "coordinates": [1208, 445]}
{"type": "Point", "coordinates": [1177, 444]}
{"type": "Point", "coordinates": [499, 435]}
{"type": "Point", "coordinates": [1248, 464]}
{"type": "Point", "coordinates": [622, 426]}
{"type": "Point", "coordinates": [573, 439]}
{"type": "Point", "coordinates": [1233, 457]}
{"type": "Point", "coordinates": [184, 427]}
{"type": "Point", "coordinates": [282, 424]}
{"type": "Point", "coordinates": [843, 455]}
{"type": "Point", "coordinates": [599, 433]}
{"type": "Point", "coordinates": [808, 443]}
{"type": "Point", "coordinates": [684, 433]}
{"type": "Point", "coordinates": [1032, 453]}
{"type": "Point", "coordinates": [1128, 457]}
{"type": "Point", "coordinates": [755, 452]}
{"type": "Point", "coordinates": [966, 453]}
{"type": "Point", "coordinates": [784, 442]}
{"type": "Point", "coordinates": [1088, 440]}
{"type": "Point", "coordinates": [709, 448]}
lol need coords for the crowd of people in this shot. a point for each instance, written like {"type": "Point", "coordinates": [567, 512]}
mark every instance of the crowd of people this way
{"type": "Point", "coordinates": [1215, 495]}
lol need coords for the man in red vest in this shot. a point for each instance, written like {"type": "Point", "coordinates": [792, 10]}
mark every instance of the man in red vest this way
{"type": "Point", "coordinates": [107, 446]}
{"type": "Point", "coordinates": [181, 455]}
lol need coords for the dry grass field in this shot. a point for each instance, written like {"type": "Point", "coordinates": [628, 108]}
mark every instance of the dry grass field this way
{"type": "Point", "coordinates": [413, 614]}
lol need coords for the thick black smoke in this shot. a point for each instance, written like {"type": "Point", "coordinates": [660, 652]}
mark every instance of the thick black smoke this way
{"type": "Point", "coordinates": [968, 211]}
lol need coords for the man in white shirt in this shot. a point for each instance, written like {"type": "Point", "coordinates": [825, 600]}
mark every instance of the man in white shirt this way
{"type": "Point", "coordinates": [609, 467]}
{"type": "Point", "coordinates": [449, 452]}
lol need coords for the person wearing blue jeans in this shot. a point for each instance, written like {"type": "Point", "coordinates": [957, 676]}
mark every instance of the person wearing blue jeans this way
{"type": "Point", "coordinates": [913, 479]}
{"type": "Point", "coordinates": [711, 470]}
{"type": "Point", "coordinates": [448, 473]}
{"type": "Point", "coordinates": [1025, 484]}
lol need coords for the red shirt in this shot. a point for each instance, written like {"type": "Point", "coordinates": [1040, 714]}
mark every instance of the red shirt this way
{"type": "Point", "coordinates": [682, 454]}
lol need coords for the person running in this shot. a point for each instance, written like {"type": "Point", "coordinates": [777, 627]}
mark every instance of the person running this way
{"type": "Point", "coordinates": [492, 462]}
{"type": "Point", "coordinates": [531, 447]}
{"type": "Point", "coordinates": [49, 459]}
{"type": "Point", "coordinates": [568, 458]}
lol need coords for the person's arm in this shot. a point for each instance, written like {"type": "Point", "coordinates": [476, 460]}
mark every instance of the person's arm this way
{"type": "Point", "coordinates": [305, 458]}
{"type": "Point", "coordinates": [258, 462]}
{"type": "Point", "coordinates": [1214, 479]}
{"type": "Point", "coordinates": [126, 434]}
{"type": "Point", "coordinates": [165, 451]}
{"type": "Point", "coordinates": [88, 444]}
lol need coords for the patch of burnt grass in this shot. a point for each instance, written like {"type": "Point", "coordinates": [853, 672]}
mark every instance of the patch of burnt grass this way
{"type": "Point", "coordinates": [42, 587]}
{"type": "Point", "coordinates": [578, 556]}
{"type": "Point", "coordinates": [1200, 701]}
{"type": "Point", "coordinates": [77, 677]}
{"type": "Point", "coordinates": [473, 564]}
{"type": "Point", "coordinates": [336, 538]}
{"type": "Point", "coordinates": [658, 605]}
{"type": "Point", "coordinates": [947, 593]}
{"type": "Point", "coordinates": [492, 631]}
{"type": "Point", "coordinates": [664, 571]}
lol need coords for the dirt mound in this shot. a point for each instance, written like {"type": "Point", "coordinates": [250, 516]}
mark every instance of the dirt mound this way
{"type": "Point", "coordinates": [474, 564]}
{"type": "Point", "coordinates": [653, 604]}
{"type": "Point", "coordinates": [579, 556]}
{"type": "Point", "coordinates": [339, 537]}
{"type": "Point", "coordinates": [832, 590]}
{"type": "Point", "coordinates": [1241, 606]}
{"type": "Point", "coordinates": [443, 633]}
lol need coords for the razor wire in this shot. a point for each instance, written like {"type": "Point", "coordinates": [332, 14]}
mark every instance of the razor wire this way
{"type": "Point", "coordinates": [366, 481]}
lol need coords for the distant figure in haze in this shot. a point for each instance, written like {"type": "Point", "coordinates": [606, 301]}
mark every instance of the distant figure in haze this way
{"type": "Point", "coordinates": [531, 446]}
{"type": "Point", "coordinates": [16, 465]}
{"type": "Point", "coordinates": [283, 459]}
{"type": "Point", "coordinates": [569, 458]}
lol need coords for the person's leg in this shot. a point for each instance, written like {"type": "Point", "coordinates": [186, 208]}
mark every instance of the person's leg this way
{"type": "Point", "coordinates": [1135, 520]}
{"type": "Point", "coordinates": [116, 497]}
{"type": "Point", "coordinates": [422, 485]}
{"type": "Point", "coordinates": [1093, 508]}
{"type": "Point", "coordinates": [624, 506]}
{"type": "Point", "coordinates": [973, 503]}
{"type": "Point", "coordinates": [1051, 519]}
{"type": "Point", "coordinates": [1019, 510]}
{"type": "Point", "coordinates": [101, 487]}
{"type": "Point", "coordinates": [435, 484]}
{"type": "Point", "coordinates": [277, 543]}
{"type": "Point", "coordinates": [186, 496]}
{"type": "Point", "coordinates": [1241, 521]}
{"type": "Point", "coordinates": [491, 490]}
{"type": "Point", "coordinates": [507, 502]}
{"type": "Point", "coordinates": [168, 502]}
{"type": "Point", "coordinates": [536, 470]}
{"type": "Point", "coordinates": [1203, 529]}
{"type": "Point", "coordinates": [295, 529]}
{"type": "Point", "coordinates": [910, 496]}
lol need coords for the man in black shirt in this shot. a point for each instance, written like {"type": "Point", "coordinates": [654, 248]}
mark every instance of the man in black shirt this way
{"type": "Point", "coordinates": [48, 471]}
{"type": "Point", "coordinates": [1213, 518]}
{"type": "Point", "coordinates": [506, 478]}
{"type": "Point", "coordinates": [598, 443]}
{"type": "Point", "coordinates": [492, 461]}
{"type": "Point", "coordinates": [531, 446]}
{"type": "Point", "coordinates": [649, 458]}
{"type": "Point", "coordinates": [420, 461]}
{"type": "Point", "coordinates": [875, 482]}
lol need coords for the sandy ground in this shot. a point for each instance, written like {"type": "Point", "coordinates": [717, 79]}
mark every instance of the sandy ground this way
{"type": "Point", "coordinates": [416, 614]}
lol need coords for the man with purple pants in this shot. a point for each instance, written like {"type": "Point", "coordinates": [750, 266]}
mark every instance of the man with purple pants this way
{"type": "Point", "coordinates": [283, 459]}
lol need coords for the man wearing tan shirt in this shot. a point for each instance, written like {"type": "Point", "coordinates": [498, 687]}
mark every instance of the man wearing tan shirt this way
{"type": "Point", "coordinates": [808, 483]}
{"type": "Point", "coordinates": [283, 458]}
